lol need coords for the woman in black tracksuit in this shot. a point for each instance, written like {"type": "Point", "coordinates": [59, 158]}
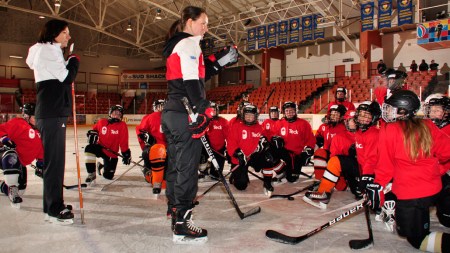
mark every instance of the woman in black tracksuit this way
{"type": "Point", "coordinates": [186, 74]}
{"type": "Point", "coordinates": [53, 76]}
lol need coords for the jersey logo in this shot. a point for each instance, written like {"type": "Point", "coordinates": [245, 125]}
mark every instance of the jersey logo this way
{"type": "Point", "coordinates": [104, 130]}
{"type": "Point", "coordinates": [358, 145]}
{"type": "Point", "coordinates": [256, 135]}
{"type": "Point", "coordinates": [244, 134]}
{"type": "Point", "coordinates": [193, 57]}
{"type": "Point", "coordinates": [31, 134]}
{"type": "Point", "coordinates": [268, 126]}
{"type": "Point", "coordinates": [114, 132]}
{"type": "Point", "coordinates": [217, 127]}
{"type": "Point", "coordinates": [283, 131]}
{"type": "Point", "coordinates": [292, 131]}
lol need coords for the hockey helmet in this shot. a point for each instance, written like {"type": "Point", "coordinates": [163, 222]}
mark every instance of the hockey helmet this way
{"type": "Point", "coordinates": [290, 104]}
{"type": "Point", "coordinates": [437, 108]}
{"type": "Point", "coordinates": [350, 116]}
{"type": "Point", "coordinates": [395, 79]}
{"type": "Point", "coordinates": [250, 109]}
{"type": "Point", "coordinates": [158, 105]}
{"type": "Point", "coordinates": [113, 110]}
{"type": "Point", "coordinates": [333, 118]}
{"type": "Point", "coordinates": [216, 109]}
{"type": "Point", "coordinates": [401, 105]}
{"type": "Point", "coordinates": [362, 120]}
{"type": "Point", "coordinates": [28, 110]}
{"type": "Point", "coordinates": [344, 92]}
{"type": "Point", "coordinates": [274, 113]}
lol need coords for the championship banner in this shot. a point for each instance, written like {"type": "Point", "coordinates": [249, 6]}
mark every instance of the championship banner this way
{"type": "Point", "coordinates": [294, 27]}
{"type": "Point", "coordinates": [367, 16]}
{"type": "Point", "coordinates": [307, 33]}
{"type": "Point", "coordinates": [251, 39]}
{"type": "Point", "coordinates": [318, 32]}
{"type": "Point", "coordinates": [283, 32]}
{"type": "Point", "coordinates": [262, 37]}
{"type": "Point", "coordinates": [384, 13]}
{"type": "Point", "coordinates": [405, 13]}
{"type": "Point", "coordinates": [272, 35]}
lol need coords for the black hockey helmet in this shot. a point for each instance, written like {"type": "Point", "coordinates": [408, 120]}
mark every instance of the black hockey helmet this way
{"type": "Point", "coordinates": [241, 106]}
{"type": "Point", "coordinates": [435, 100]}
{"type": "Point", "coordinates": [111, 110]}
{"type": "Point", "coordinates": [401, 105]}
{"type": "Point", "coordinates": [274, 109]}
{"type": "Point", "coordinates": [290, 104]}
{"type": "Point", "coordinates": [28, 109]}
{"type": "Point", "coordinates": [158, 105]}
{"type": "Point", "coordinates": [343, 90]}
{"type": "Point", "coordinates": [395, 79]}
{"type": "Point", "coordinates": [250, 109]}
{"type": "Point", "coordinates": [336, 108]}
{"type": "Point", "coordinates": [371, 107]}
{"type": "Point", "coordinates": [216, 109]}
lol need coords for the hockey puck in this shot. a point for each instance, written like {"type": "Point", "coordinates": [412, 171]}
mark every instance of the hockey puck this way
{"type": "Point", "coordinates": [290, 198]}
{"type": "Point", "coordinates": [196, 203]}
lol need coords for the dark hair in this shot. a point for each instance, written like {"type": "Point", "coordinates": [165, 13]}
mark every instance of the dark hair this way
{"type": "Point", "coordinates": [190, 12]}
{"type": "Point", "coordinates": [51, 30]}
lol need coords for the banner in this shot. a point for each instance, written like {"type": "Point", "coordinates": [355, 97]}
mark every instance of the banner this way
{"type": "Point", "coordinates": [307, 33]}
{"type": "Point", "coordinates": [272, 35]}
{"type": "Point", "coordinates": [405, 14]}
{"type": "Point", "coordinates": [318, 32]}
{"type": "Point", "coordinates": [283, 32]}
{"type": "Point", "coordinates": [433, 31]}
{"type": "Point", "coordinates": [367, 16]}
{"type": "Point", "coordinates": [251, 39]}
{"type": "Point", "coordinates": [262, 37]}
{"type": "Point", "coordinates": [294, 27]}
{"type": "Point", "coordinates": [384, 13]}
{"type": "Point", "coordinates": [143, 76]}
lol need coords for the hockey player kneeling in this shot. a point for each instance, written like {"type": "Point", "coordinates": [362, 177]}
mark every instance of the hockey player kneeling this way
{"type": "Point", "coordinates": [111, 133]}
{"type": "Point", "coordinates": [20, 144]}
{"type": "Point", "coordinates": [157, 157]}
{"type": "Point", "coordinates": [249, 148]}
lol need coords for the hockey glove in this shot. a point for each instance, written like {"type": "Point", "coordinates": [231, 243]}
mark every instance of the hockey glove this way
{"type": "Point", "coordinates": [262, 144]}
{"type": "Point", "coordinates": [7, 142]}
{"type": "Point", "coordinates": [365, 180]}
{"type": "Point", "coordinates": [199, 127]}
{"type": "Point", "coordinates": [352, 150]}
{"type": "Point", "coordinates": [126, 157]}
{"type": "Point", "coordinates": [72, 57]}
{"type": "Point", "coordinates": [375, 195]}
{"type": "Point", "coordinates": [148, 139]}
{"type": "Point", "coordinates": [241, 157]}
{"type": "Point", "coordinates": [39, 171]}
{"type": "Point", "coordinates": [92, 136]}
{"type": "Point", "coordinates": [225, 57]}
{"type": "Point", "coordinates": [278, 142]}
{"type": "Point", "coordinates": [308, 152]}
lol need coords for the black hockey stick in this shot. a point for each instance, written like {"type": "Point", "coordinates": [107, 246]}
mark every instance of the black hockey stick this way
{"type": "Point", "coordinates": [279, 237]}
{"type": "Point", "coordinates": [121, 175]}
{"type": "Point", "coordinates": [289, 196]}
{"type": "Point", "coordinates": [267, 99]}
{"type": "Point", "coordinates": [119, 155]}
{"type": "Point", "coordinates": [68, 187]}
{"type": "Point", "coordinates": [364, 243]}
{"type": "Point", "coordinates": [205, 143]}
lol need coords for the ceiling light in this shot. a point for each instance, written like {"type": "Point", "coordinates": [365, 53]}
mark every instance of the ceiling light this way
{"type": "Point", "coordinates": [41, 17]}
{"type": "Point", "coordinates": [57, 3]}
{"type": "Point", "coordinates": [113, 66]}
{"type": "Point", "coordinates": [129, 26]}
{"type": "Point", "coordinates": [158, 14]}
{"type": "Point", "coordinates": [16, 56]}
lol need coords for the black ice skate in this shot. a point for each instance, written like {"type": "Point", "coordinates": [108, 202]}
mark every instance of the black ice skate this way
{"type": "Point", "coordinates": [156, 188]}
{"type": "Point", "coordinates": [91, 178]}
{"type": "Point", "coordinates": [65, 217]}
{"type": "Point", "coordinates": [14, 197]}
{"type": "Point", "coordinates": [186, 232]}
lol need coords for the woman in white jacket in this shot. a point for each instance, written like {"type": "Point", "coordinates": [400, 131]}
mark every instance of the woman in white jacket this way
{"type": "Point", "coordinates": [53, 76]}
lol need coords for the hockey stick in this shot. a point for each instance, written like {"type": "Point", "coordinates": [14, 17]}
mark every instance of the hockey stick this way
{"type": "Point", "coordinates": [119, 155]}
{"type": "Point", "coordinates": [205, 143]}
{"type": "Point", "coordinates": [74, 112]}
{"type": "Point", "coordinates": [279, 237]}
{"type": "Point", "coordinates": [289, 196]}
{"type": "Point", "coordinates": [121, 175]}
{"type": "Point", "coordinates": [68, 187]}
{"type": "Point", "coordinates": [364, 243]}
{"type": "Point", "coordinates": [255, 175]}
{"type": "Point", "coordinates": [267, 99]}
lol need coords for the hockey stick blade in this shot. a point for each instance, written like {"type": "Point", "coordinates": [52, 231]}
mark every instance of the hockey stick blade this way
{"type": "Point", "coordinates": [68, 187]}
{"type": "Point", "coordinates": [279, 237]}
{"type": "Point", "coordinates": [361, 244]}
{"type": "Point", "coordinates": [250, 212]}
{"type": "Point", "coordinates": [296, 192]}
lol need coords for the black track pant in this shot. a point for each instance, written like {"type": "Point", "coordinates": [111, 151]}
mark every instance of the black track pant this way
{"type": "Point", "coordinates": [53, 135]}
{"type": "Point", "coordinates": [183, 154]}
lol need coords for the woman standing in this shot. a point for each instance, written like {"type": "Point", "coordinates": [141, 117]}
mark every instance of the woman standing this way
{"type": "Point", "coordinates": [412, 152]}
{"type": "Point", "coordinates": [53, 76]}
{"type": "Point", "coordinates": [186, 74]}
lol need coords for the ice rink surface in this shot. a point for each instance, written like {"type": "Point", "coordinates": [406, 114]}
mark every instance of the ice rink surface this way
{"type": "Point", "coordinates": [126, 217]}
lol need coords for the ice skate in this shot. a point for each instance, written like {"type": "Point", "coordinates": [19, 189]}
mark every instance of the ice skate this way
{"type": "Point", "coordinates": [90, 180]}
{"type": "Point", "coordinates": [99, 168]}
{"type": "Point", "coordinates": [317, 199]}
{"type": "Point", "coordinates": [268, 188]}
{"type": "Point", "coordinates": [186, 232]}
{"type": "Point", "coordinates": [157, 188]}
{"type": "Point", "coordinates": [65, 217]}
{"type": "Point", "coordinates": [147, 175]}
{"type": "Point", "coordinates": [388, 216]}
{"type": "Point", "coordinates": [14, 197]}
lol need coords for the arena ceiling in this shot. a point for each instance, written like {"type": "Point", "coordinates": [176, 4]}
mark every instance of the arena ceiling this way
{"type": "Point", "coordinates": [102, 24]}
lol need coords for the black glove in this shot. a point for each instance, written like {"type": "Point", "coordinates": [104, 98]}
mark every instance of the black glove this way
{"type": "Point", "coordinates": [73, 57]}
{"type": "Point", "coordinates": [308, 152]}
{"type": "Point", "coordinates": [199, 127]}
{"type": "Point", "coordinates": [375, 195]}
{"type": "Point", "coordinates": [262, 144]}
{"type": "Point", "coordinates": [126, 157]}
{"type": "Point", "coordinates": [226, 57]}
{"type": "Point", "coordinates": [352, 150]}
{"type": "Point", "coordinates": [147, 138]}
{"type": "Point", "coordinates": [39, 171]}
{"type": "Point", "coordinates": [241, 157]}
{"type": "Point", "coordinates": [365, 180]}
{"type": "Point", "coordinates": [319, 141]}
{"type": "Point", "coordinates": [278, 142]}
{"type": "Point", "coordinates": [92, 136]}
{"type": "Point", "coordinates": [7, 142]}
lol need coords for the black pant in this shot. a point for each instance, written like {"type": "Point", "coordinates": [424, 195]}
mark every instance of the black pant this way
{"type": "Point", "coordinates": [443, 202]}
{"type": "Point", "coordinates": [53, 135]}
{"type": "Point", "coordinates": [109, 163]}
{"type": "Point", "coordinates": [183, 154]}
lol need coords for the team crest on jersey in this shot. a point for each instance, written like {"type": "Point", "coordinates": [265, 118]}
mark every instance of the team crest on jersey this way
{"type": "Point", "coordinates": [31, 133]}
{"type": "Point", "coordinates": [244, 134]}
{"type": "Point", "coordinates": [283, 131]}
{"type": "Point", "coordinates": [104, 130]}
{"type": "Point", "coordinates": [268, 126]}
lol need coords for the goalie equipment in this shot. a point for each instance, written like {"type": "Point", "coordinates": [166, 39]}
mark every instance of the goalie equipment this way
{"type": "Point", "coordinates": [147, 138]}
{"type": "Point", "coordinates": [157, 157]}
{"type": "Point", "coordinates": [401, 105]}
{"type": "Point", "coordinates": [92, 136]}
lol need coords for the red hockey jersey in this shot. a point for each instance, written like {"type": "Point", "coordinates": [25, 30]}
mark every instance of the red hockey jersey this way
{"type": "Point", "coordinates": [112, 136]}
{"type": "Point", "coordinates": [296, 135]}
{"type": "Point", "coordinates": [217, 133]}
{"type": "Point", "coordinates": [244, 137]}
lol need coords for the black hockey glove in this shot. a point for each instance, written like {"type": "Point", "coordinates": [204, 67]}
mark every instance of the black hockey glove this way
{"type": "Point", "coordinates": [126, 159]}
{"type": "Point", "coordinates": [278, 142]}
{"type": "Point", "coordinates": [262, 144]}
{"type": "Point", "coordinates": [241, 157]}
{"type": "Point", "coordinates": [308, 152]}
{"type": "Point", "coordinates": [199, 127]}
{"type": "Point", "coordinates": [375, 195]}
{"type": "Point", "coordinates": [352, 150]}
{"type": "Point", "coordinates": [92, 136]}
{"type": "Point", "coordinates": [364, 181]}
{"type": "Point", "coordinates": [7, 142]}
{"type": "Point", "coordinates": [147, 138]}
{"type": "Point", "coordinates": [39, 171]}
{"type": "Point", "coordinates": [319, 141]}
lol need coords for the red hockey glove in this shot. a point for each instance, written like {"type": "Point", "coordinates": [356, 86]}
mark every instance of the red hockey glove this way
{"type": "Point", "coordinates": [199, 127]}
